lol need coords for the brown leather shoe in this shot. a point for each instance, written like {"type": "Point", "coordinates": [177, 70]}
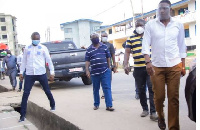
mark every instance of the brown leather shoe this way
{"type": "Point", "coordinates": [110, 109]}
{"type": "Point", "coordinates": [161, 124]}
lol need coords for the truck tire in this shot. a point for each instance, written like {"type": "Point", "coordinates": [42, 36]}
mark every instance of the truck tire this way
{"type": "Point", "coordinates": [86, 80]}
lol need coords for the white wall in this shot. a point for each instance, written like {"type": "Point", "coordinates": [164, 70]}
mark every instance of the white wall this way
{"type": "Point", "coordinates": [84, 32]}
{"type": "Point", "coordinates": [81, 31]}
{"type": "Point", "coordinates": [74, 34]}
{"type": "Point", "coordinates": [191, 5]}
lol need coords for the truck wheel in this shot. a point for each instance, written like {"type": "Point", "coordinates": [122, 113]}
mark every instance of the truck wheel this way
{"type": "Point", "coordinates": [86, 80]}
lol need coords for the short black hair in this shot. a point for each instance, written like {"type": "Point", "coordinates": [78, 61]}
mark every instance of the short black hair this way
{"type": "Point", "coordinates": [35, 33]}
{"type": "Point", "coordinates": [166, 1]}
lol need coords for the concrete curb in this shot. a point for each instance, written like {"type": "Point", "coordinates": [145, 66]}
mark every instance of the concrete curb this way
{"type": "Point", "coordinates": [4, 89]}
{"type": "Point", "coordinates": [47, 120]}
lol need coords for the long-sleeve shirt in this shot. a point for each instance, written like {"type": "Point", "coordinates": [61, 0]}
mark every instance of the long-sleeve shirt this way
{"type": "Point", "coordinates": [167, 42]}
{"type": "Point", "coordinates": [35, 59]}
{"type": "Point", "coordinates": [10, 63]}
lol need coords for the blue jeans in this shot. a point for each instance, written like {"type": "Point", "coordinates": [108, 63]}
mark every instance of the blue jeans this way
{"type": "Point", "coordinates": [104, 80]}
{"type": "Point", "coordinates": [29, 82]}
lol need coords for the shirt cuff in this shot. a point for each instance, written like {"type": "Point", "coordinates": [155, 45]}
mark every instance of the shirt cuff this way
{"type": "Point", "coordinates": [183, 55]}
{"type": "Point", "coordinates": [21, 72]}
{"type": "Point", "coordinates": [52, 72]}
{"type": "Point", "coordinates": [146, 52]}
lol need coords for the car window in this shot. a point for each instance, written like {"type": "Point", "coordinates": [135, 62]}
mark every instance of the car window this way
{"type": "Point", "coordinates": [59, 46]}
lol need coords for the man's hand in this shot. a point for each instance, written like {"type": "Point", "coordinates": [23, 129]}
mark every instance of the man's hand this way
{"type": "Point", "coordinates": [183, 72]}
{"type": "Point", "coordinates": [88, 73]}
{"type": "Point", "coordinates": [21, 77]}
{"type": "Point", "coordinates": [127, 70]}
{"type": "Point", "coordinates": [114, 69]}
{"type": "Point", "coordinates": [150, 69]}
{"type": "Point", "coordinates": [51, 78]}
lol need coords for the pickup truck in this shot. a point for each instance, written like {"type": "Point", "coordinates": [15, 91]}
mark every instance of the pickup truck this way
{"type": "Point", "coordinates": [68, 61]}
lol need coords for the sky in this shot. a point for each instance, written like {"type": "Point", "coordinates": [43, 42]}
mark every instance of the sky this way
{"type": "Point", "coordinates": [38, 15]}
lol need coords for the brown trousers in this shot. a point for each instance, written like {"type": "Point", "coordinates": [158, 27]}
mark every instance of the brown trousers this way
{"type": "Point", "coordinates": [171, 77]}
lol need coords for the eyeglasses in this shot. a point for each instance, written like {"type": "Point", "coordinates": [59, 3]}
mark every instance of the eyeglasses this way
{"type": "Point", "coordinates": [164, 8]}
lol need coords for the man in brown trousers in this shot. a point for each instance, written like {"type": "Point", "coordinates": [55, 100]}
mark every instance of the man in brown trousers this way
{"type": "Point", "coordinates": [166, 37]}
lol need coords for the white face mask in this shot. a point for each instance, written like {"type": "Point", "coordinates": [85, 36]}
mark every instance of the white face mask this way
{"type": "Point", "coordinates": [139, 30]}
{"type": "Point", "coordinates": [8, 55]}
{"type": "Point", "coordinates": [104, 39]}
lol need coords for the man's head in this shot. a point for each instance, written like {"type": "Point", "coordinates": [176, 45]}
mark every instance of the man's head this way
{"type": "Point", "coordinates": [104, 37]}
{"type": "Point", "coordinates": [35, 38]}
{"type": "Point", "coordinates": [164, 9]}
{"type": "Point", "coordinates": [9, 53]}
{"type": "Point", "coordinates": [94, 37]}
{"type": "Point", "coordinates": [139, 26]}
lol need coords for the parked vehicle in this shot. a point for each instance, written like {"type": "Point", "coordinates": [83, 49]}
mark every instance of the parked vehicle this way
{"type": "Point", "coordinates": [68, 61]}
{"type": "Point", "coordinates": [190, 93]}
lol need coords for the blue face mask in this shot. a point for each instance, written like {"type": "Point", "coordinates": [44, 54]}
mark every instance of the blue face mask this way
{"type": "Point", "coordinates": [35, 42]}
{"type": "Point", "coordinates": [95, 40]}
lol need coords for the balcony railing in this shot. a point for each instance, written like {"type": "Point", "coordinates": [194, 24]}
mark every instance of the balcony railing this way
{"type": "Point", "coordinates": [187, 18]}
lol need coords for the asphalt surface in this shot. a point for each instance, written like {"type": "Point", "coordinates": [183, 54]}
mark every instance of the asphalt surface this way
{"type": "Point", "coordinates": [74, 103]}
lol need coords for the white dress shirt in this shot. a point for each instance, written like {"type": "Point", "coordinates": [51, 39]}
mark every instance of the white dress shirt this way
{"type": "Point", "coordinates": [19, 59]}
{"type": "Point", "coordinates": [35, 59]}
{"type": "Point", "coordinates": [167, 42]}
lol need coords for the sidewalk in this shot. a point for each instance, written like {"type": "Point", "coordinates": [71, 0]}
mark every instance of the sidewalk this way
{"type": "Point", "coordinates": [8, 116]}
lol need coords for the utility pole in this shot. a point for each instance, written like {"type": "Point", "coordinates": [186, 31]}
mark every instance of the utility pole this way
{"type": "Point", "coordinates": [132, 2]}
{"type": "Point", "coordinates": [142, 9]}
{"type": "Point", "coordinates": [47, 34]}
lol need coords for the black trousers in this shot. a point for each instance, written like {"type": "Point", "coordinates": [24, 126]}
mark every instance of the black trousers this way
{"type": "Point", "coordinates": [142, 78]}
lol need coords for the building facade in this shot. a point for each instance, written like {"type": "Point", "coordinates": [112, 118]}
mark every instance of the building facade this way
{"type": "Point", "coordinates": [79, 31]}
{"type": "Point", "coordinates": [8, 32]}
{"type": "Point", "coordinates": [184, 10]}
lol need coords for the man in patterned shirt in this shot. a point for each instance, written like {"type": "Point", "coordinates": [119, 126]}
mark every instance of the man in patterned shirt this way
{"type": "Point", "coordinates": [140, 74]}
{"type": "Point", "coordinates": [98, 58]}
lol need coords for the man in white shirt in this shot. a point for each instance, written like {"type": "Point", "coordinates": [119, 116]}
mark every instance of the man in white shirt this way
{"type": "Point", "coordinates": [34, 59]}
{"type": "Point", "coordinates": [166, 37]}
{"type": "Point", "coordinates": [19, 62]}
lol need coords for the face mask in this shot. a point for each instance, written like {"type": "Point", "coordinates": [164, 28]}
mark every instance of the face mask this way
{"type": "Point", "coordinates": [139, 30]}
{"type": "Point", "coordinates": [35, 42]}
{"type": "Point", "coordinates": [8, 55]}
{"type": "Point", "coordinates": [95, 40]}
{"type": "Point", "coordinates": [104, 39]}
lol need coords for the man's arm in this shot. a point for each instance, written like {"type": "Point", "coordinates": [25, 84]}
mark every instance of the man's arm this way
{"type": "Point", "coordinates": [126, 59]}
{"type": "Point", "coordinates": [19, 60]}
{"type": "Point", "coordinates": [87, 64]}
{"type": "Point", "coordinates": [182, 48]}
{"type": "Point", "coordinates": [49, 61]}
{"type": "Point", "coordinates": [4, 63]}
{"type": "Point", "coordinates": [146, 42]}
{"type": "Point", "coordinates": [23, 65]}
{"type": "Point", "coordinates": [108, 61]}
{"type": "Point", "coordinates": [112, 51]}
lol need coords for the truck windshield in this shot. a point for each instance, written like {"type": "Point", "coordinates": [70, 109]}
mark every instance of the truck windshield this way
{"type": "Point", "coordinates": [59, 46]}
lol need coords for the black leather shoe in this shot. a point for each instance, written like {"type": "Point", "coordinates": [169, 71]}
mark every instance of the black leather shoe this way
{"type": "Point", "coordinates": [161, 124]}
{"type": "Point", "coordinates": [110, 109]}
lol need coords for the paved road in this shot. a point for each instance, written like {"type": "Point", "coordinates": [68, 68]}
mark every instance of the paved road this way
{"type": "Point", "coordinates": [74, 102]}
